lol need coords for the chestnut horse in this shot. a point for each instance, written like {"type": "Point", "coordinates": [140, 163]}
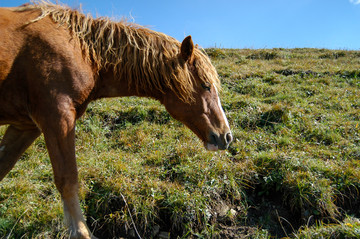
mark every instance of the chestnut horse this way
{"type": "Point", "coordinates": [55, 60]}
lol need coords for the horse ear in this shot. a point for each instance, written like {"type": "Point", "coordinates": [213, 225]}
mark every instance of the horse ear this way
{"type": "Point", "coordinates": [187, 48]}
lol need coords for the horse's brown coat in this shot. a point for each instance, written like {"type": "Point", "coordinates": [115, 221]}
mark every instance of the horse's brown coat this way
{"type": "Point", "coordinates": [54, 61]}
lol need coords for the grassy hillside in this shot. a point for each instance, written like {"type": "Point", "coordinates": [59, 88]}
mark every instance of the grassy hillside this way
{"type": "Point", "coordinates": [293, 169]}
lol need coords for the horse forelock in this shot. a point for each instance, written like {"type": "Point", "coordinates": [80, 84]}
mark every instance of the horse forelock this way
{"type": "Point", "coordinates": [148, 59]}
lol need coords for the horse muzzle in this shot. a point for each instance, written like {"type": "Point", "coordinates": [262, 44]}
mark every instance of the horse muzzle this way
{"type": "Point", "coordinates": [219, 141]}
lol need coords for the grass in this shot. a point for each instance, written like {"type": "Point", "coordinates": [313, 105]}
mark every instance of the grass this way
{"type": "Point", "coordinates": [293, 169]}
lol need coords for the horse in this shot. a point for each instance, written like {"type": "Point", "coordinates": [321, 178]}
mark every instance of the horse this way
{"type": "Point", "coordinates": [54, 60]}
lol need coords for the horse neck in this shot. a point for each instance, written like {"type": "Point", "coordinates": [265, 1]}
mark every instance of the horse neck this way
{"type": "Point", "coordinates": [109, 84]}
{"type": "Point", "coordinates": [132, 68]}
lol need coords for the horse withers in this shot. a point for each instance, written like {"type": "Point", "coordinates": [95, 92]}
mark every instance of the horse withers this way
{"type": "Point", "coordinates": [55, 60]}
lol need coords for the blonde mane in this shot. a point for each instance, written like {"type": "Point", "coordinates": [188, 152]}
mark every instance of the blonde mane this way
{"type": "Point", "coordinates": [148, 59]}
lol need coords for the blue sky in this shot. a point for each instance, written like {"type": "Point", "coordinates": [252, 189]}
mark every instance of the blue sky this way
{"type": "Point", "coordinates": [333, 24]}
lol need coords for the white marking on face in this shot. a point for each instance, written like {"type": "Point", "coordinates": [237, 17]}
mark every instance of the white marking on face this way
{"type": "Point", "coordinates": [222, 110]}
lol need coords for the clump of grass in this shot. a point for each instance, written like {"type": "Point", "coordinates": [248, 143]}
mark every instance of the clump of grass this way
{"type": "Point", "coordinates": [348, 228]}
{"type": "Point", "coordinates": [216, 53]}
{"type": "Point", "coordinates": [333, 55]}
{"type": "Point", "coordinates": [277, 114]}
{"type": "Point", "coordinates": [263, 55]}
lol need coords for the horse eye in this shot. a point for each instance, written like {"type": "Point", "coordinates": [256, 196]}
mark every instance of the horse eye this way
{"type": "Point", "coordinates": [206, 86]}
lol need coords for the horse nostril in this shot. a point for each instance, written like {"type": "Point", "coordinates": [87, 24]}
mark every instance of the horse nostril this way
{"type": "Point", "coordinates": [213, 138]}
{"type": "Point", "coordinates": [228, 138]}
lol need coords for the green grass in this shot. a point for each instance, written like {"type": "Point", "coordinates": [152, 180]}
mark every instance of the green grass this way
{"type": "Point", "coordinates": [293, 169]}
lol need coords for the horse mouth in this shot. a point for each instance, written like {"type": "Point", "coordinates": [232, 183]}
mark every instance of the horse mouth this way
{"type": "Point", "coordinates": [211, 147]}
{"type": "Point", "coordinates": [216, 141]}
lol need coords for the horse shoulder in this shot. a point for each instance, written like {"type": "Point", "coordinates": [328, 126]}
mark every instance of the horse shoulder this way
{"type": "Point", "coordinates": [48, 64]}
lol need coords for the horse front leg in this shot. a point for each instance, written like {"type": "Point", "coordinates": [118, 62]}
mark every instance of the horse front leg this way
{"type": "Point", "coordinates": [13, 145]}
{"type": "Point", "coordinates": [60, 142]}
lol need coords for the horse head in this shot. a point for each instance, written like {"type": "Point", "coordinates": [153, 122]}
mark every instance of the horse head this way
{"type": "Point", "coordinates": [203, 114]}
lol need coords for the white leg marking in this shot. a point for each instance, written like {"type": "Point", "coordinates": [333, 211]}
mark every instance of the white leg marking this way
{"type": "Point", "coordinates": [75, 219]}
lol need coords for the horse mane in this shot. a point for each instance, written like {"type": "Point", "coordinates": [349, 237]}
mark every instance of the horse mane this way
{"type": "Point", "coordinates": [150, 60]}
